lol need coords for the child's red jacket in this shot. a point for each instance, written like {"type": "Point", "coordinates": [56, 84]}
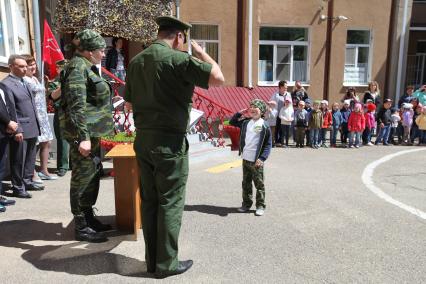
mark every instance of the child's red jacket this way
{"type": "Point", "coordinates": [327, 119]}
{"type": "Point", "coordinates": [356, 122]}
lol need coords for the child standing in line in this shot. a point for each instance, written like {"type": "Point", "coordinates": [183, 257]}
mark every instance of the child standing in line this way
{"type": "Point", "coordinates": [384, 120]}
{"type": "Point", "coordinates": [308, 109]}
{"type": "Point", "coordinates": [346, 112]}
{"type": "Point", "coordinates": [421, 123]}
{"type": "Point", "coordinates": [337, 122]}
{"type": "Point", "coordinates": [315, 124]}
{"type": "Point", "coordinates": [407, 122]}
{"type": "Point", "coordinates": [414, 127]}
{"type": "Point", "coordinates": [356, 125]}
{"type": "Point", "coordinates": [395, 124]}
{"type": "Point", "coordinates": [287, 116]}
{"type": "Point", "coordinates": [370, 124]}
{"type": "Point", "coordinates": [271, 116]}
{"type": "Point", "coordinates": [255, 146]}
{"type": "Point", "coordinates": [301, 123]}
{"type": "Point", "coordinates": [327, 120]}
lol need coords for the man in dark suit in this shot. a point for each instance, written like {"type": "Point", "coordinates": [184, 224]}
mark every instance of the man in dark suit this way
{"type": "Point", "coordinates": [8, 127]}
{"type": "Point", "coordinates": [23, 145]}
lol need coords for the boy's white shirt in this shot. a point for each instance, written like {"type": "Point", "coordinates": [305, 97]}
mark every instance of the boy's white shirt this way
{"type": "Point", "coordinates": [252, 139]}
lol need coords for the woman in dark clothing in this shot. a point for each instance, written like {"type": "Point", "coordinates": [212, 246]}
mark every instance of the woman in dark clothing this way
{"type": "Point", "coordinates": [373, 93]}
{"type": "Point", "coordinates": [115, 59]}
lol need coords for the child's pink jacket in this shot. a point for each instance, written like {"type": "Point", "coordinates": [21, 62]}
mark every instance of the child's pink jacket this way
{"type": "Point", "coordinates": [370, 120]}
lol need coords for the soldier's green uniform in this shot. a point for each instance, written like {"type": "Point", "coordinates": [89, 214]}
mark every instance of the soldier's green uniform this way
{"type": "Point", "coordinates": [160, 84]}
{"type": "Point", "coordinates": [85, 114]}
{"type": "Point", "coordinates": [62, 146]}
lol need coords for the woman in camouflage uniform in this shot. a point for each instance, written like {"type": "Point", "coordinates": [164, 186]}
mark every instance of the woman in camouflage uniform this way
{"type": "Point", "coordinates": [85, 116]}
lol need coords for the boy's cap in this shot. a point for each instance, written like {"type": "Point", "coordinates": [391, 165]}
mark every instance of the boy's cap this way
{"type": "Point", "coordinates": [387, 101]}
{"type": "Point", "coordinates": [308, 101]}
{"type": "Point", "coordinates": [394, 109]}
{"type": "Point", "coordinates": [324, 102]}
{"type": "Point", "coordinates": [347, 102]}
{"type": "Point", "coordinates": [317, 102]}
{"type": "Point", "coordinates": [169, 21]}
{"type": "Point", "coordinates": [259, 104]}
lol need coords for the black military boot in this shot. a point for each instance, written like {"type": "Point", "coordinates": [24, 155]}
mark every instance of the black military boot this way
{"type": "Point", "coordinates": [94, 223]}
{"type": "Point", "coordinates": [84, 233]}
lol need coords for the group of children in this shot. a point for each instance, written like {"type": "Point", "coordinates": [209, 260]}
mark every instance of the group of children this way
{"type": "Point", "coordinates": [354, 121]}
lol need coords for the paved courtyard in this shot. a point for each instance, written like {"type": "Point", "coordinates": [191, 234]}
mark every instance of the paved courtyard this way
{"type": "Point", "coordinates": [332, 217]}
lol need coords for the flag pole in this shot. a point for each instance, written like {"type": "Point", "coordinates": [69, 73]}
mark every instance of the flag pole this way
{"type": "Point", "coordinates": [37, 34]}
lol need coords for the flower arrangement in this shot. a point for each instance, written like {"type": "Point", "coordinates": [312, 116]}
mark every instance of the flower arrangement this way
{"type": "Point", "coordinates": [126, 137]}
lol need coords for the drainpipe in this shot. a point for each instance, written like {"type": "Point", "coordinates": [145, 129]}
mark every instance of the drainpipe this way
{"type": "Point", "coordinates": [177, 8]}
{"type": "Point", "coordinates": [329, 38]}
{"type": "Point", "coordinates": [401, 52]}
{"type": "Point", "coordinates": [240, 44]}
{"type": "Point", "coordinates": [37, 35]}
{"type": "Point", "coordinates": [250, 45]}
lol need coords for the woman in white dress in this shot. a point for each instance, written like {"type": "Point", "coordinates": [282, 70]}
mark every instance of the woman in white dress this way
{"type": "Point", "coordinates": [39, 92]}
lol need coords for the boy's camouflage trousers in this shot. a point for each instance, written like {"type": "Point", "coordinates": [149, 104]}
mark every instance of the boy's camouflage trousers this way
{"type": "Point", "coordinates": [254, 174]}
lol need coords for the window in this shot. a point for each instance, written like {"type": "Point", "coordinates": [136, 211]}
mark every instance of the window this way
{"type": "Point", "coordinates": [207, 36]}
{"type": "Point", "coordinates": [357, 59]}
{"type": "Point", "coordinates": [14, 36]}
{"type": "Point", "coordinates": [283, 54]}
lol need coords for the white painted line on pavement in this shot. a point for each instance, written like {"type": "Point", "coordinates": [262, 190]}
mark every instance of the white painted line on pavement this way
{"type": "Point", "coordinates": [367, 178]}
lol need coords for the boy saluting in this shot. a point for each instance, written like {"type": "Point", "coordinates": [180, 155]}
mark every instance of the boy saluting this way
{"type": "Point", "coordinates": [255, 146]}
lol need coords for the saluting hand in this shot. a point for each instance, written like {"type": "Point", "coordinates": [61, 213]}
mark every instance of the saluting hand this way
{"type": "Point", "coordinates": [197, 50]}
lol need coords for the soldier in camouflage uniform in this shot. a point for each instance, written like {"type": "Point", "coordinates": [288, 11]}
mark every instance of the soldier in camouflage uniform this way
{"type": "Point", "coordinates": [159, 85]}
{"type": "Point", "coordinates": [62, 146]}
{"type": "Point", "coordinates": [255, 146]}
{"type": "Point", "coordinates": [85, 116]}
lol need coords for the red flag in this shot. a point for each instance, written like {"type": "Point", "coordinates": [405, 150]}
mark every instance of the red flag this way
{"type": "Point", "coordinates": [51, 50]}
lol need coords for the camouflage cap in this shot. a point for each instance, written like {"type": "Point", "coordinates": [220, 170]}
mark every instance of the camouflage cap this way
{"type": "Point", "coordinates": [169, 21]}
{"type": "Point", "coordinates": [90, 40]}
{"type": "Point", "coordinates": [259, 104]}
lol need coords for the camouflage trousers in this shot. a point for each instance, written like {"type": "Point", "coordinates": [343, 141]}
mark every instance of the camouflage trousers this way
{"type": "Point", "coordinates": [85, 178]}
{"type": "Point", "coordinates": [253, 174]}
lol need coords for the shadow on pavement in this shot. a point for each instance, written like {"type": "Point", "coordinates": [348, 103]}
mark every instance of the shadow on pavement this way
{"type": "Point", "coordinates": [46, 250]}
{"type": "Point", "coordinates": [211, 209]}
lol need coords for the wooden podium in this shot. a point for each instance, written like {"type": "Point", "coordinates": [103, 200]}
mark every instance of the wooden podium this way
{"type": "Point", "coordinates": [126, 188]}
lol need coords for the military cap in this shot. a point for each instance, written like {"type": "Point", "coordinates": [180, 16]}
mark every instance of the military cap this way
{"type": "Point", "coordinates": [259, 104]}
{"type": "Point", "coordinates": [169, 21]}
{"type": "Point", "coordinates": [90, 40]}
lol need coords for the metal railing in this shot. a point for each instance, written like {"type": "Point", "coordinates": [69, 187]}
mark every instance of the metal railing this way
{"type": "Point", "coordinates": [210, 125]}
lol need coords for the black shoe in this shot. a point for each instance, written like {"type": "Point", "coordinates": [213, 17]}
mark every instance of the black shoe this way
{"type": "Point", "coordinates": [6, 202]}
{"type": "Point", "coordinates": [21, 194]}
{"type": "Point", "coordinates": [94, 223]}
{"type": "Point", "coordinates": [84, 233]}
{"type": "Point", "coordinates": [2, 208]}
{"type": "Point", "coordinates": [61, 173]}
{"type": "Point", "coordinates": [34, 187]}
{"type": "Point", "coordinates": [183, 266]}
{"type": "Point", "coordinates": [87, 234]}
